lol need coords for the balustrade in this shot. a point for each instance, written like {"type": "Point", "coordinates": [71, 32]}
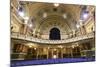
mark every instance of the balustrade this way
{"type": "Point", "coordinates": [37, 40]}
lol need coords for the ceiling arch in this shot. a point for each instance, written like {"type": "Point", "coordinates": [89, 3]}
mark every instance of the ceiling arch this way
{"type": "Point", "coordinates": [54, 21]}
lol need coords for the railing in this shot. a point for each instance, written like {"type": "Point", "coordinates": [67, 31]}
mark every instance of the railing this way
{"type": "Point", "coordinates": [18, 56]}
{"type": "Point", "coordinates": [37, 40]}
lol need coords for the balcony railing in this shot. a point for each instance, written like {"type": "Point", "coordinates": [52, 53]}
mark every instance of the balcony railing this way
{"type": "Point", "coordinates": [37, 40]}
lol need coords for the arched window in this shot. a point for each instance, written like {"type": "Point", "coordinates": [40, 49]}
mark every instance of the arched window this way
{"type": "Point", "coordinates": [54, 34]}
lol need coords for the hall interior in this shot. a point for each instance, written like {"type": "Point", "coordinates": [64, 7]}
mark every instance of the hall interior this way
{"type": "Point", "coordinates": [42, 30]}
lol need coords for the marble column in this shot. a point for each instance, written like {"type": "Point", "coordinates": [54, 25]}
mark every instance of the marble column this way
{"type": "Point", "coordinates": [47, 53]}
{"type": "Point", "coordinates": [71, 52]}
{"type": "Point", "coordinates": [61, 52]}
{"type": "Point", "coordinates": [37, 53]}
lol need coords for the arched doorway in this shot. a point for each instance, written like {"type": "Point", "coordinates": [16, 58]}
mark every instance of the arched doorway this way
{"type": "Point", "coordinates": [54, 34]}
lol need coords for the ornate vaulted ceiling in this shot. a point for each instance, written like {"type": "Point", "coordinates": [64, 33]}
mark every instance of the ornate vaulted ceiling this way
{"type": "Point", "coordinates": [45, 16]}
{"type": "Point", "coordinates": [55, 15]}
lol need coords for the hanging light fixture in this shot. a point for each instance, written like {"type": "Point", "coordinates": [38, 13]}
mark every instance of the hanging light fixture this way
{"type": "Point", "coordinates": [30, 25]}
{"type": "Point", "coordinates": [54, 56]}
{"type": "Point", "coordinates": [35, 48]}
{"type": "Point", "coordinates": [56, 4]}
{"type": "Point", "coordinates": [30, 46]}
{"type": "Point", "coordinates": [77, 25]}
{"type": "Point", "coordinates": [25, 21]}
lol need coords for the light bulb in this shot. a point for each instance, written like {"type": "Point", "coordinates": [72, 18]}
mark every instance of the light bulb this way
{"type": "Point", "coordinates": [21, 13]}
{"type": "Point", "coordinates": [25, 21]}
{"type": "Point", "coordinates": [30, 25]}
{"type": "Point", "coordinates": [56, 4]}
{"type": "Point", "coordinates": [77, 25]}
{"type": "Point", "coordinates": [54, 56]}
{"type": "Point", "coordinates": [85, 15]}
